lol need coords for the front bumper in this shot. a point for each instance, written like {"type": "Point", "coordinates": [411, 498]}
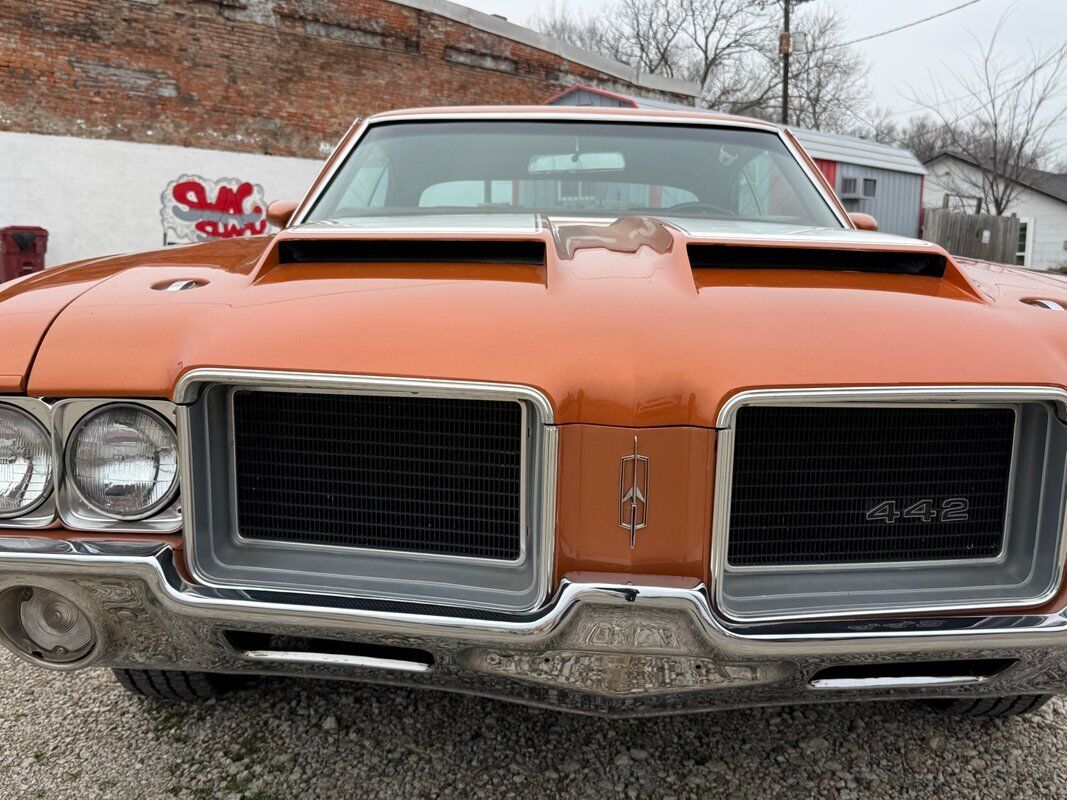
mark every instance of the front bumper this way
{"type": "Point", "coordinates": [649, 646]}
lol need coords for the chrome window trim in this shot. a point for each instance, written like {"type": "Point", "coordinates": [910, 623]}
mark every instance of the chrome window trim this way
{"type": "Point", "coordinates": [916, 395]}
{"type": "Point", "coordinates": [186, 393]}
{"type": "Point", "coordinates": [524, 532]}
{"type": "Point", "coordinates": [74, 511]}
{"type": "Point", "coordinates": [871, 565]}
{"type": "Point", "coordinates": [323, 182]}
{"type": "Point", "coordinates": [43, 513]}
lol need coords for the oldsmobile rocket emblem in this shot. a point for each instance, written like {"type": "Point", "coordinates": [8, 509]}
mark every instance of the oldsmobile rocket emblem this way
{"type": "Point", "coordinates": [633, 493]}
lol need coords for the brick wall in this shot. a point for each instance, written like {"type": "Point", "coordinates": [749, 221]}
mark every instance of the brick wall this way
{"type": "Point", "coordinates": [276, 76]}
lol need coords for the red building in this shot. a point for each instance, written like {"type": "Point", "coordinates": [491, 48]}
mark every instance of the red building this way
{"type": "Point", "coordinates": [277, 76]}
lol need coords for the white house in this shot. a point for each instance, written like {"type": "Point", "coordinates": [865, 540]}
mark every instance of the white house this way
{"type": "Point", "coordinates": [1041, 206]}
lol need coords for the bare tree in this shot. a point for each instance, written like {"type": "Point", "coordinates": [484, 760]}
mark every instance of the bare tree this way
{"type": "Point", "coordinates": [922, 134]}
{"type": "Point", "coordinates": [827, 86]}
{"type": "Point", "coordinates": [877, 123]}
{"type": "Point", "coordinates": [577, 29]}
{"type": "Point", "coordinates": [640, 33]}
{"type": "Point", "coordinates": [730, 48]}
{"type": "Point", "coordinates": [646, 33]}
{"type": "Point", "coordinates": [1057, 164]}
{"type": "Point", "coordinates": [698, 40]}
{"type": "Point", "coordinates": [719, 38]}
{"type": "Point", "coordinates": [925, 136]}
{"type": "Point", "coordinates": [999, 115]}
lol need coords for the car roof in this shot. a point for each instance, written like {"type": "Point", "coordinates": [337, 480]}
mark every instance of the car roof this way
{"type": "Point", "coordinates": [585, 112]}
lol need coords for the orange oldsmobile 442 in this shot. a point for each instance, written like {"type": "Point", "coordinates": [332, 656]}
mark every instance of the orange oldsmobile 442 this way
{"type": "Point", "coordinates": [613, 411]}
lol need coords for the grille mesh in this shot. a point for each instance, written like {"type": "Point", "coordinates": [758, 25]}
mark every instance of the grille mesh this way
{"type": "Point", "coordinates": [424, 475]}
{"type": "Point", "coordinates": [806, 478]}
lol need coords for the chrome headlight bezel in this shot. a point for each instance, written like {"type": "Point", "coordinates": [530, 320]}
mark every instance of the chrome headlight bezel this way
{"type": "Point", "coordinates": [74, 509]}
{"type": "Point", "coordinates": [42, 513]}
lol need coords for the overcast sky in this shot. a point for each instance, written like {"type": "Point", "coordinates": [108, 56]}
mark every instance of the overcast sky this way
{"type": "Point", "coordinates": [903, 59]}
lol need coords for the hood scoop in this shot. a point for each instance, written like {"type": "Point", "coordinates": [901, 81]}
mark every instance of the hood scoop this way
{"type": "Point", "coordinates": [889, 262]}
{"type": "Point", "coordinates": [410, 251]}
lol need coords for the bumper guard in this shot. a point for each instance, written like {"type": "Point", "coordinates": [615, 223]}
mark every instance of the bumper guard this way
{"type": "Point", "coordinates": [650, 646]}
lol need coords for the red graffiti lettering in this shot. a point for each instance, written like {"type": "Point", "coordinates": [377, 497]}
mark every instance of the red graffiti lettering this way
{"type": "Point", "coordinates": [229, 230]}
{"type": "Point", "coordinates": [227, 200]}
{"type": "Point", "coordinates": [223, 216]}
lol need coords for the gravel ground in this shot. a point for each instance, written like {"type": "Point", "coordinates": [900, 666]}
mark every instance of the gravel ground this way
{"type": "Point", "coordinates": [81, 736]}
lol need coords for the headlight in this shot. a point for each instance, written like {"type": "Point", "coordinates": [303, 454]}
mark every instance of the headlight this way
{"type": "Point", "coordinates": [25, 463]}
{"type": "Point", "coordinates": [123, 461]}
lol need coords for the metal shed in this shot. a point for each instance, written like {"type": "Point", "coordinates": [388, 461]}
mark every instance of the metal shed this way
{"type": "Point", "coordinates": [877, 179]}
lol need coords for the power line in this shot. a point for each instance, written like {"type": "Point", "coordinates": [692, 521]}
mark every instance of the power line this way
{"type": "Point", "coordinates": [902, 27]}
{"type": "Point", "coordinates": [1058, 53]}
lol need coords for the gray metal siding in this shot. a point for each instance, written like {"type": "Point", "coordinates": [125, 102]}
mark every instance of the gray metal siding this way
{"type": "Point", "coordinates": [897, 197]}
{"type": "Point", "coordinates": [853, 150]}
{"type": "Point", "coordinates": [581, 97]}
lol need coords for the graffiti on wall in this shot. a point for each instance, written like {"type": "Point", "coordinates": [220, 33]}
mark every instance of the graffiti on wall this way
{"type": "Point", "coordinates": [196, 209]}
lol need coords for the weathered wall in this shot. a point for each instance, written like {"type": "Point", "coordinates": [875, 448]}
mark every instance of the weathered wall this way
{"type": "Point", "coordinates": [99, 197]}
{"type": "Point", "coordinates": [284, 77]}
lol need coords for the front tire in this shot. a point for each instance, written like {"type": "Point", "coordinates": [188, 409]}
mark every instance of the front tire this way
{"type": "Point", "coordinates": [989, 707]}
{"type": "Point", "coordinates": [175, 685]}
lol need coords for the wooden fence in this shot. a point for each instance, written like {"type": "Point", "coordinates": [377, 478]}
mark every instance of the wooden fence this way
{"type": "Point", "coordinates": [973, 235]}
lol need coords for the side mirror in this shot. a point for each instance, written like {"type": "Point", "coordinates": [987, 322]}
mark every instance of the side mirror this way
{"type": "Point", "coordinates": [865, 222]}
{"type": "Point", "coordinates": [279, 212]}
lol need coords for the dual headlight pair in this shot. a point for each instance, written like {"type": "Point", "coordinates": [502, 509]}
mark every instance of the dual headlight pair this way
{"type": "Point", "coordinates": [120, 459]}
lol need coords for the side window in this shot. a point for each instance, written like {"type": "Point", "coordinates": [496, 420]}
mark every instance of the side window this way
{"type": "Point", "coordinates": [369, 185]}
{"type": "Point", "coordinates": [763, 191]}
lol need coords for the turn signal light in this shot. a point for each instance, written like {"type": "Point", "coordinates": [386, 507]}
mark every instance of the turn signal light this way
{"type": "Point", "coordinates": [45, 625]}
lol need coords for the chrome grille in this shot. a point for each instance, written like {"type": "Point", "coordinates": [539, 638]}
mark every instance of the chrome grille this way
{"type": "Point", "coordinates": [415, 474]}
{"type": "Point", "coordinates": [849, 485]}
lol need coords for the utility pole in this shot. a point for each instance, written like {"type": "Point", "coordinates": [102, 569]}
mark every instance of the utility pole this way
{"type": "Point", "coordinates": [785, 47]}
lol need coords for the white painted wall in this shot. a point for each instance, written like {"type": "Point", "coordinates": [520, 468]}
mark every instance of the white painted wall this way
{"type": "Point", "coordinates": [98, 197]}
{"type": "Point", "coordinates": [1045, 217]}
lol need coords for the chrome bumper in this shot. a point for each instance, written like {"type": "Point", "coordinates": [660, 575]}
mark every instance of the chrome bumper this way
{"type": "Point", "coordinates": [600, 647]}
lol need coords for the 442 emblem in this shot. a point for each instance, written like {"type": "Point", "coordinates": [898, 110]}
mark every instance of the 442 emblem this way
{"type": "Point", "coordinates": [954, 509]}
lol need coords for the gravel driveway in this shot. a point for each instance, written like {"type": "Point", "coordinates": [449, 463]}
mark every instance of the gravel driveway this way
{"type": "Point", "coordinates": [81, 736]}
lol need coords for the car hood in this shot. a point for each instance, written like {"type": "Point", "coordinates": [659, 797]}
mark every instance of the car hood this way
{"type": "Point", "coordinates": [30, 304]}
{"type": "Point", "coordinates": [615, 326]}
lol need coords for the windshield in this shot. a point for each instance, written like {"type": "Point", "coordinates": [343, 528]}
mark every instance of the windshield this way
{"type": "Point", "coordinates": [572, 169]}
